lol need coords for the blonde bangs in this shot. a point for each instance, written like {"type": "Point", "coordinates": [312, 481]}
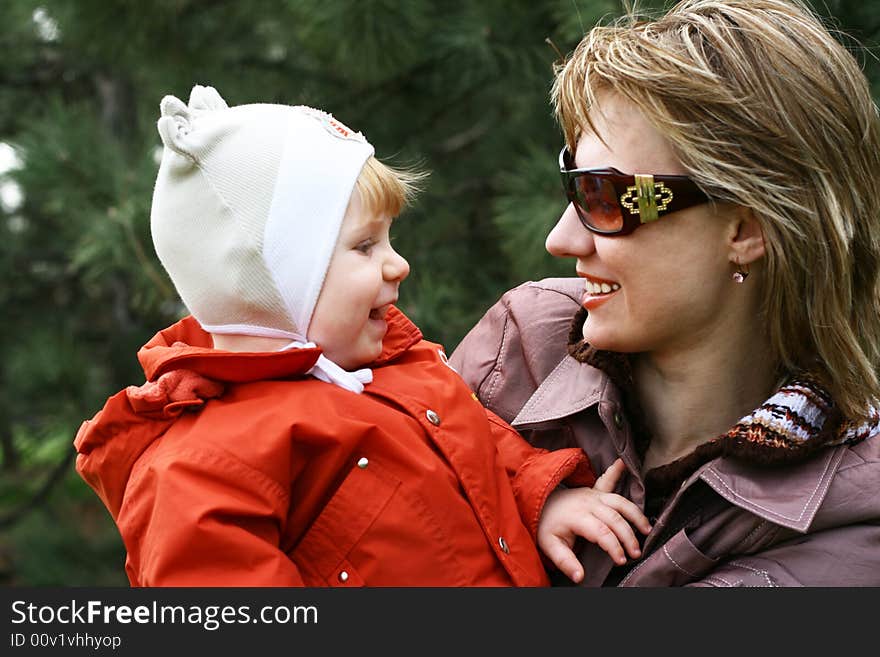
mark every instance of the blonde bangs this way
{"type": "Point", "coordinates": [767, 110]}
{"type": "Point", "coordinates": [386, 190]}
{"type": "Point", "coordinates": [571, 94]}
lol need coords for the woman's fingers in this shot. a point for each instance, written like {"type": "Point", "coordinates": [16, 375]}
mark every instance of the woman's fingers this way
{"type": "Point", "coordinates": [608, 481]}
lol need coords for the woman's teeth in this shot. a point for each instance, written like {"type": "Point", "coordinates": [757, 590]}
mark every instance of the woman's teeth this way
{"type": "Point", "coordinates": [600, 288]}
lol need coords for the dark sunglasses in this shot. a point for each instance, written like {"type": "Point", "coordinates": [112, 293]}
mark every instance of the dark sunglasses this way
{"type": "Point", "coordinates": [609, 202]}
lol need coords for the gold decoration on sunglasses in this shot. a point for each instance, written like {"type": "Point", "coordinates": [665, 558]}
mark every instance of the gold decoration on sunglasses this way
{"type": "Point", "coordinates": [651, 197]}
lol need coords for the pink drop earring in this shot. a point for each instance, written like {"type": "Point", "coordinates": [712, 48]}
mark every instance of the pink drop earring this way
{"type": "Point", "coordinates": [741, 273]}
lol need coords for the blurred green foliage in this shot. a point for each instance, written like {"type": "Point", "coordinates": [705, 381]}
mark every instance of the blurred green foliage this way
{"type": "Point", "coordinates": [459, 88]}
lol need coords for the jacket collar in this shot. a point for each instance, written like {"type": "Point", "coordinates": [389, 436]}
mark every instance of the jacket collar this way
{"type": "Point", "coordinates": [803, 432]}
{"type": "Point", "coordinates": [788, 496]}
{"type": "Point", "coordinates": [570, 388]}
{"type": "Point", "coordinates": [576, 383]}
{"type": "Point", "coordinates": [185, 345]}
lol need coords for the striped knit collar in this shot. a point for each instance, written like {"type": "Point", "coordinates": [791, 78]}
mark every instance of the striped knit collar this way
{"type": "Point", "coordinates": [797, 420]}
{"type": "Point", "coordinates": [799, 413]}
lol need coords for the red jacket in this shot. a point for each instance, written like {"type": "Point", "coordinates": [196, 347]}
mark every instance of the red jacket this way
{"type": "Point", "coordinates": [232, 469]}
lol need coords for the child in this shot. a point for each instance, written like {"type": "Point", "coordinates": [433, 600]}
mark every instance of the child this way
{"type": "Point", "coordinates": [297, 429]}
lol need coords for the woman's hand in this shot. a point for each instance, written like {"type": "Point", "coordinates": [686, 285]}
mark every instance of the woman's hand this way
{"type": "Point", "coordinates": [596, 514]}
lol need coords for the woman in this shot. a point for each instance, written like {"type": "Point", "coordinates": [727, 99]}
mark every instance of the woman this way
{"type": "Point", "coordinates": [722, 169]}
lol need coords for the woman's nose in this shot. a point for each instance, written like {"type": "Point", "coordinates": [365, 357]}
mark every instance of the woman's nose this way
{"type": "Point", "coordinates": [569, 238]}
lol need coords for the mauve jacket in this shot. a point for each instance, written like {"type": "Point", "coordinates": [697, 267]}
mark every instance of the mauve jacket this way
{"type": "Point", "coordinates": [732, 522]}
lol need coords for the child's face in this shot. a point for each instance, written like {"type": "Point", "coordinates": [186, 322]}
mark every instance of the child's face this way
{"type": "Point", "coordinates": [361, 283]}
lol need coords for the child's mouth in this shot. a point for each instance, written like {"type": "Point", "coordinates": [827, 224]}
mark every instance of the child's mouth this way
{"type": "Point", "coordinates": [379, 313]}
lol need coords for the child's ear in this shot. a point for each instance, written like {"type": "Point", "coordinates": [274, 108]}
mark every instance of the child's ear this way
{"type": "Point", "coordinates": [746, 242]}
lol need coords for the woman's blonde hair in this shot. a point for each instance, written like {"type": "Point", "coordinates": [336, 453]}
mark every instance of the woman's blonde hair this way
{"type": "Point", "coordinates": [387, 190]}
{"type": "Point", "coordinates": [765, 109]}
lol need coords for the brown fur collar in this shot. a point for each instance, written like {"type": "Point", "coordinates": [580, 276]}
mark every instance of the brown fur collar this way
{"type": "Point", "coordinates": [798, 420]}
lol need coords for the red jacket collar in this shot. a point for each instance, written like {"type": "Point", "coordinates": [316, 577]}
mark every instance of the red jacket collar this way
{"type": "Point", "coordinates": [185, 345]}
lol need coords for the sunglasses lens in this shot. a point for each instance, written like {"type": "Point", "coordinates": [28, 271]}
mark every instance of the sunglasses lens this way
{"type": "Point", "coordinates": [596, 203]}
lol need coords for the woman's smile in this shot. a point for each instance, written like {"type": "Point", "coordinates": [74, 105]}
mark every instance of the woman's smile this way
{"type": "Point", "coordinates": [597, 291]}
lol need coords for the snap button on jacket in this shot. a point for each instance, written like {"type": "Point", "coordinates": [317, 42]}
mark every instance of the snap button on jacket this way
{"type": "Point", "coordinates": [235, 469]}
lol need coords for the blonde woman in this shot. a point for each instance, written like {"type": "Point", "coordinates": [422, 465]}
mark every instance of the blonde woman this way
{"type": "Point", "coordinates": [722, 170]}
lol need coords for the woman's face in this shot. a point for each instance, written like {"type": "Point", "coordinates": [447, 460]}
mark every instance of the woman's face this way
{"type": "Point", "coordinates": [668, 279]}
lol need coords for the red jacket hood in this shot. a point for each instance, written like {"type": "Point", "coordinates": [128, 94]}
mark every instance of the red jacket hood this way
{"type": "Point", "coordinates": [183, 371]}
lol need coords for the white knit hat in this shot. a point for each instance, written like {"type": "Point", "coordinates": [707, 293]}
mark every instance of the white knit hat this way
{"type": "Point", "coordinates": [247, 209]}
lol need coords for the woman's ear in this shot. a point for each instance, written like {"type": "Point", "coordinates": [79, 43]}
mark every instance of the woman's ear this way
{"type": "Point", "coordinates": [746, 241]}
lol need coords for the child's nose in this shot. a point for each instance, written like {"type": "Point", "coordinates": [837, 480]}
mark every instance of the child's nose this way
{"type": "Point", "coordinates": [396, 268]}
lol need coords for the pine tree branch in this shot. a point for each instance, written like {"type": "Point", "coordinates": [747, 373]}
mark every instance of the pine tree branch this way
{"type": "Point", "coordinates": [286, 68]}
{"type": "Point", "coordinates": [7, 448]}
{"type": "Point", "coordinates": [146, 263]}
{"type": "Point", "coordinates": [465, 137]}
{"type": "Point", "coordinates": [118, 108]}
{"type": "Point", "coordinates": [447, 108]}
{"type": "Point", "coordinates": [37, 499]}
